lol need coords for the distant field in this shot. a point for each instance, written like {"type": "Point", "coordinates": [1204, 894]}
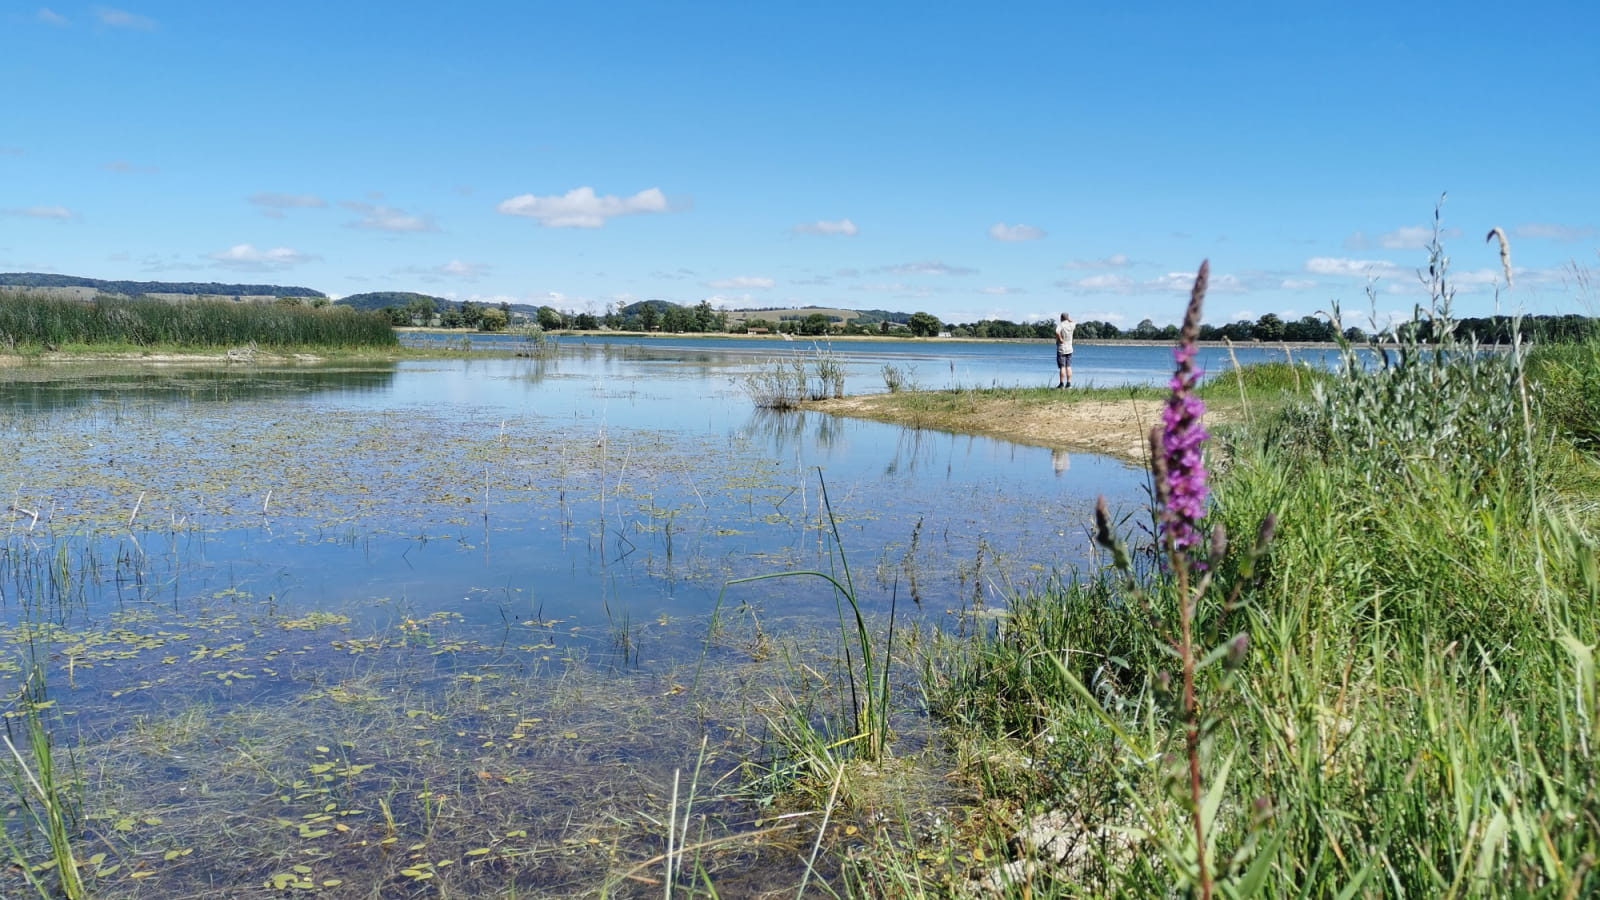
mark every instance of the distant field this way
{"type": "Point", "coordinates": [89, 293]}
{"type": "Point", "coordinates": [737, 316]}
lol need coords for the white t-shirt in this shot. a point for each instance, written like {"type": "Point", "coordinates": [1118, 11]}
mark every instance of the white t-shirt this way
{"type": "Point", "coordinates": [1064, 330]}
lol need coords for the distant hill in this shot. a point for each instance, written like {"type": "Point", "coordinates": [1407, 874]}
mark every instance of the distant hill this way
{"type": "Point", "coordinates": [381, 299]}
{"type": "Point", "coordinates": [78, 286]}
{"type": "Point", "coordinates": [834, 314]}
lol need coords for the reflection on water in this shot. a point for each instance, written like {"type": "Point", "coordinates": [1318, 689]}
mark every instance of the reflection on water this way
{"type": "Point", "coordinates": [504, 567]}
{"type": "Point", "coordinates": [65, 386]}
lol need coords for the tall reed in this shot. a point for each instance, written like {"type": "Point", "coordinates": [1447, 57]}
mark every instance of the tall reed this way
{"type": "Point", "coordinates": [29, 320]}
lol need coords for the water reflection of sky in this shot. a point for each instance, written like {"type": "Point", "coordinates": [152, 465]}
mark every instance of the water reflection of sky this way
{"type": "Point", "coordinates": [591, 483]}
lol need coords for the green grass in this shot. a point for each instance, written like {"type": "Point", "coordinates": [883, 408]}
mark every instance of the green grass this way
{"type": "Point", "coordinates": [1400, 699]}
{"type": "Point", "coordinates": [30, 323]}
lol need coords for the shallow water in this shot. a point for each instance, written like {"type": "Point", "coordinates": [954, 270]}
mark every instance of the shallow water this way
{"type": "Point", "coordinates": [222, 565]}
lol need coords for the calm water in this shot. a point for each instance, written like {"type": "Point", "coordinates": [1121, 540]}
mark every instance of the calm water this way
{"type": "Point", "coordinates": [393, 560]}
{"type": "Point", "coordinates": [627, 478]}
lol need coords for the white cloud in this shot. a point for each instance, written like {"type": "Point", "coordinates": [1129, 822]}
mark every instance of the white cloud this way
{"type": "Point", "coordinates": [60, 213]}
{"type": "Point", "coordinates": [120, 18]}
{"type": "Point", "coordinates": [897, 287]}
{"type": "Point", "coordinates": [927, 267]}
{"type": "Point", "coordinates": [378, 217]}
{"type": "Point", "coordinates": [1171, 282]}
{"type": "Point", "coordinates": [287, 201]}
{"type": "Point", "coordinates": [246, 258]}
{"type": "Point", "coordinates": [1297, 284]}
{"type": "Point", "coordinates": [1000, 231]}
{"type": "Point", "coordinates": [1553, 231]}
{"type": "Point", "coordinates": [50, 17]}
{"type": "Point", "coordinates": [741, 282]}
{"type": "Point", "coordinates": [461, 269]}
{"type": "Point", "coordinates": [1114, 261]}
{"type": "Point", "coordinates": [824, 226]}
{"type": "Point", "coordinates": [1336, 265]}
{"type": "Point", "coordinates": [581, 207]}
{"type": "Point", "coordinates": [1408, 237]}
{"type": "Point", "coordinates": [1114, 283]}
{"type": "Point", "coordinates": [1001, 290]}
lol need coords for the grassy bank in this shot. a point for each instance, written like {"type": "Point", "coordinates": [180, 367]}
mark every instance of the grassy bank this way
{"type": "Point", "coordinates": [32, 324]}
{"type": "Point", "coordinates": [1375, 677]}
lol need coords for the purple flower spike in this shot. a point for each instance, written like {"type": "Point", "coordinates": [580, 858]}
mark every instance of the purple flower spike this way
{"type": "Point", "coordinates": [1182, 435]}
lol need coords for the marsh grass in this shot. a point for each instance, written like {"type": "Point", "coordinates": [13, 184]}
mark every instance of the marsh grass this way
{"type": "Point", "coordinates": [1413, 712]}
{"type": "Point", "coordinates": [29, 321]}
{"type": "Point", "coordinates": [47, 803]}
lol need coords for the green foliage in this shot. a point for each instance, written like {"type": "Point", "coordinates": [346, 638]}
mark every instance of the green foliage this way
{"type": "Point", "coordinates": [924, 324]}
{"type": "Point", "coordinates": [1416, 708]}
{"type": "Point", "coordinates": [32, 321]}
{"type": "Point", "coordinates": [403, 299]}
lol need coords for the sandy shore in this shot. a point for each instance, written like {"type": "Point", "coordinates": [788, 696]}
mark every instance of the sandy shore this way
{"type": "Point", "coordinates": [1116, 427]}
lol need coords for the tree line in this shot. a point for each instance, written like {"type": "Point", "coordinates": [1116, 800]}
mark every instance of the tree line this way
{"type": "Point", "coordinates": [702, 318]}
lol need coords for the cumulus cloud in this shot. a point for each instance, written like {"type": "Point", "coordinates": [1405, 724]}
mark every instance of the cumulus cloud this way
{"type": "Point", "coordinates": [824, 226]}
{"type": "Point", "coordinates": [246, 258]}
{"type": "Point", "coordinates": [927, 267]}
{"type": "Point", "coordinates": [1114, 261]}
{"type": "Point", "coordinates": [582, 207]}
{"type": "Point", "coordinates": [121, 18]}
{"type": "Point", "coordinates": [1553, 231]}
{"type": "Point", "coordinates": [1000, 231]}
{"type": "Point", "coordinates": [1335, 265]}
{"type": "Point", "coordinates": [50, 17]}
{"type": "Point", "coordinates": [59, 213]}
{"type": "Point", "coordinates": [741, 282]}
{"type": "Point", "coordinates": [378, 217]}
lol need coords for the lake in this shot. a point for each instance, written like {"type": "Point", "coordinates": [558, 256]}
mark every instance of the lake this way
{"type": "Point", "coordinates": [369, 621]}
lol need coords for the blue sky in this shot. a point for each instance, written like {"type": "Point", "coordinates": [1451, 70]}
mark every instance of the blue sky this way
{"type": "Point", "coordinates": [993, 160]}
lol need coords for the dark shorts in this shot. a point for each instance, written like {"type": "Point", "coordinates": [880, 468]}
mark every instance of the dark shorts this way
{"type": "Point", "coordinates": [1063, 359]}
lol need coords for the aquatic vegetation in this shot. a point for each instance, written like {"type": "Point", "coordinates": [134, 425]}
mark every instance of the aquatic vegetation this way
{"type": "Point", "coordinates": [28, 320]}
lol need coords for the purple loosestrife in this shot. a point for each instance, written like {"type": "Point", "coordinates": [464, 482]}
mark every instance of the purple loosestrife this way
{"type": "Point", "coordinates": [1181, 468]}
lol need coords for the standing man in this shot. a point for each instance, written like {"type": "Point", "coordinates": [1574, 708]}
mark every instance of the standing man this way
{"type": "Point", "coordinates": [1064, 330]}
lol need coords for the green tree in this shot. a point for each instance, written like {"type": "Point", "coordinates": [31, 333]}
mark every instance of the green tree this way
{"type": "Point", "coordinates": [1146, 330]}
{"type": "Point", "coordinates": [492, 318]}
{"type": "Point", "coordinates": [1268, 328]}
{"type": "Point", "coordinates": [549, 319]}
{"type": "Point", "coordinates": [816, 323]}
{"type": "Point", "coordinates": [649, 317]}
{"type": "Point", "coordinates": [420, 311]}
{"type": "Point", "coordinates": [924, 324]}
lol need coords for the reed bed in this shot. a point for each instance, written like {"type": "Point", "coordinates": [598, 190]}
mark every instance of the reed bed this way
{"type": "Point", "coordinates": [32, 321]}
